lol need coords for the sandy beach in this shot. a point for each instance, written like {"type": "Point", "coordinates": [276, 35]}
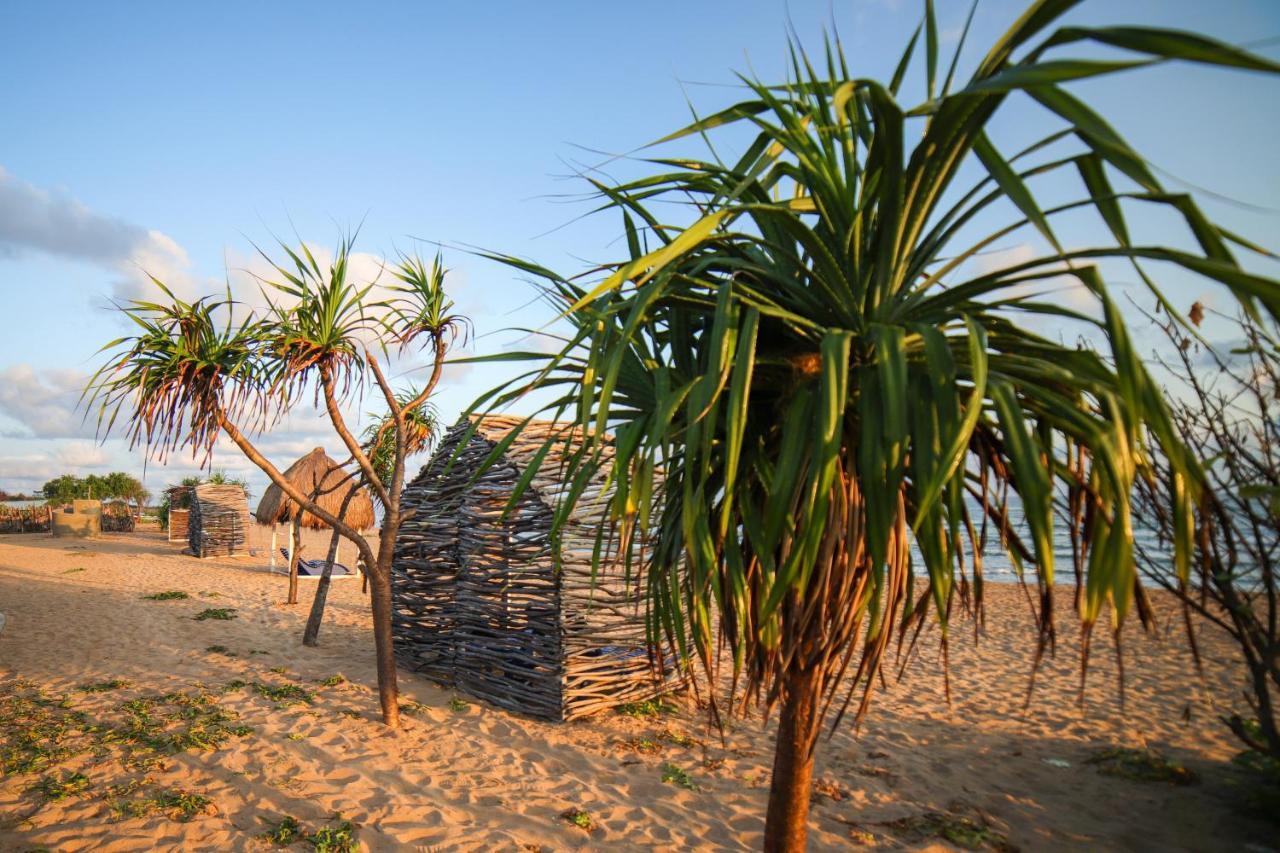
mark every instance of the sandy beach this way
{"type": "Point", "coordinates": [465, 776]}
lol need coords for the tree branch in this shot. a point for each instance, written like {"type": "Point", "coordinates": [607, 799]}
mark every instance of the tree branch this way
{"type": "Point", "coordinates": [392, 403]}
{"type": "Point", "coordinates": [353, 446]}
{"type": "Point", "coordinates": [436, 371]}
{"type": "Point", "coordinates": [397, 414]}
{"type": "Point", "coordinates": [294, 493]}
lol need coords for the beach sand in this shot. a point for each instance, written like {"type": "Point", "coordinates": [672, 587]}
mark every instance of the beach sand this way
{"type": "Point", "coordinates": [462, 775]}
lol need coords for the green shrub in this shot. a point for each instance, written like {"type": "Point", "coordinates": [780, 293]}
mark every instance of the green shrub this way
{"type": "Point", "coordinates": [220, 613]}
{"type": "Point", "coordinates": [104, 686]}
{"type": "Point", "coordinates": [648, 708]}
{"type": "Point", "coordinates": [50, 788]}
{"type": "Point", "coordinates": [167, 595]}
{"type": "Point", "coordinates": [678, 776]}
{"type": "Point", "coordinates": [339, 837]}
{"type": "Point", "coordinates": [284, 694]}
{"type": "Point", "coordinates": [284, 833]}
{"type": "Point", "coordinates": [1143, 765]}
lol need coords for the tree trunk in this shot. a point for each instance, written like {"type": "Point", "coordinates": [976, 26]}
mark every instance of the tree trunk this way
{"type": "Point", "coordinates": [295, 548]}
{"type": "Point", "coordinates": [380, 599]}
{"type": "Point", "coordinates": [786, 826]}
{"type": "Point", "coordinates": [311, 635]}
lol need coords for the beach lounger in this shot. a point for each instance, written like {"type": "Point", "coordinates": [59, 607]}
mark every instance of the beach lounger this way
{"type": "Point", "coordinates": [313, 569]}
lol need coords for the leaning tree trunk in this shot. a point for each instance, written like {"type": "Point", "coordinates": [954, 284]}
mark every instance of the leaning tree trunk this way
{"type": "Point", "coordinates": [786, 826]}
{"type": "Point", "coordinates": [295, 548]}
{"type": "Point", "coordinates": [311, 634]}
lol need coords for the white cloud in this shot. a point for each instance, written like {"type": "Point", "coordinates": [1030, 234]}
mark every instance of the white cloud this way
{"type": "Point", "coordinates": [28, 471]}
{"type": "Point", "coordinates": [52, 222]}
{"type": "Point", "coordinates": [159, 257]}
{"type": "Point", "coordinates": [33, 219]}
{"type": "Point", "coordinates": [1065, 290]}
{"type": "Point", "coordinates": [24, 471]}
{"type": "Point", "coordinates": [43, 404]}
{"type": "Point", "coordinates": [78, 455]}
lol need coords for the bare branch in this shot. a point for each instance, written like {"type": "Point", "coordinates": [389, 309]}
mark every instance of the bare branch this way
{"type": "Point", "coordinates": [272, 472]}
{"type": "Point", "coordinates": [353, 446]}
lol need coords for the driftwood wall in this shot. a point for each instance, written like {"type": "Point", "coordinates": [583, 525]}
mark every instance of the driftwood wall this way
{"type": "Point", "coordinates": [32, 519]}
{"type": "Point", "coordinates": [218, 522]}
{"type": "Point", "coordinates": [479, 602]}
{"type": "Point", "coordinates": [179, 521]}
{"type": "Point", "coordinates": [117, 519]}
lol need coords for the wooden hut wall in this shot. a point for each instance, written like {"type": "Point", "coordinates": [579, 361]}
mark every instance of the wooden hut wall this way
{"type": "Point", "coordinates": [605, 654]}
{"type": "Point", "coordinates": [507, 601]}
{"type": "Point", "coordinates": [117, 519]}
{"type": "Point", "coordinates": [178, 524]}
{"type": "Point", "coordinates": [218, 525]}
{"type": "Point", "coordinates": [479, 603]}
{"type": "Point", "coordinates": [425, 569]}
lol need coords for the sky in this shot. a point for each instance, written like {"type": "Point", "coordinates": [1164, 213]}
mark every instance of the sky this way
{"type": "Point", "coordinates": [168, 139]}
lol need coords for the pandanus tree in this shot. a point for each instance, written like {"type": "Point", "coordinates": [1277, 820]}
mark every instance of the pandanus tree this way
{"type": "Point", "coordinates": [380, 445]}
{"type": "Point", "coordinates": [832, 406]}
{"type": "Point", "coordinates": [193, 372]}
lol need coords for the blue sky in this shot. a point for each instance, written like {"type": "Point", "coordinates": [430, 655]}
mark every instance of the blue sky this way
{"type": "Point", "coordinates": [167, 137]}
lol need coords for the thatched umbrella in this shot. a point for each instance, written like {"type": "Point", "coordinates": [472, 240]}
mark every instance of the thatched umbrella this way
{"type": "Point", "coordinates": [326, 482]}
{"type": "Point", "coordinates": [316, 474]}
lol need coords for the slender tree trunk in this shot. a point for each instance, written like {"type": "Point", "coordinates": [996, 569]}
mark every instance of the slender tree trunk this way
{"type": "Point", "coordinates": [295, 549]}
{"type": "Point", "coordinates": [786, 826]}
{"type": "Point", "coordinates": [311, 635]}
{"type": "Point", "coordinates": [380, 599]}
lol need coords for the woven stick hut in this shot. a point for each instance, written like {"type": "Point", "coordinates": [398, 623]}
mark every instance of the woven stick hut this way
{"type": "Point", "coordinates": [218, 521]}
{"type": "Point", "coordinates": [482, 604]}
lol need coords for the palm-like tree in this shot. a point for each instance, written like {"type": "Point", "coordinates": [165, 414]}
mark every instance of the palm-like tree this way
{"type": "Point", "coordinates": [195, 371]}
{"type": "Point", "coordinates": [421, 427]}
{"type": "Point", "coordinates": [380, 446]}
{"type": "Point", "coordinates": [803, 376]}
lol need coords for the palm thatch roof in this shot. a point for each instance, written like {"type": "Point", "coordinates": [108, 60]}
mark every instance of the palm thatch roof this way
{"type": "Point", "coordinates": [316, 474]}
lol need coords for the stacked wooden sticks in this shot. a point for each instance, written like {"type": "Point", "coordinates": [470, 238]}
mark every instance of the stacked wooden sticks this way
{"type": "Point", "coordinates": [218, 524]}
{"type": "Point", "coordinates": [487, 603]}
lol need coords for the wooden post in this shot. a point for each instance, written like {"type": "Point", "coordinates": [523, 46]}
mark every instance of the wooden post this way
{"type": "Point", "coordinates": [295, 546]}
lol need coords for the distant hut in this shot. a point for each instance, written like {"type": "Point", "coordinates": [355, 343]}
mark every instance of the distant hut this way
{"type": "Point", "coordinates": [179, 512]}
{"type": "Point", "coordinates": [479, 601]}
{"type": "Point", "coordinates": [327, 483]}
{"type": "Point", "coordinates": [218, 520]}
{"type": "Point", "coordinates": [117, 517]}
